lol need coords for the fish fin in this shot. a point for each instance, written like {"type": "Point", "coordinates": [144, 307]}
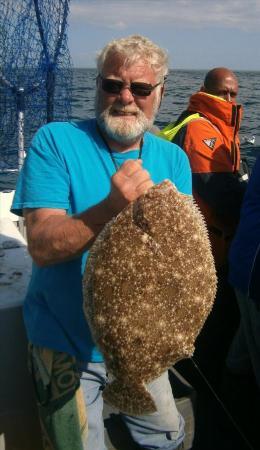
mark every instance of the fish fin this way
{"type": "Point", "coordinates": [133, 399]}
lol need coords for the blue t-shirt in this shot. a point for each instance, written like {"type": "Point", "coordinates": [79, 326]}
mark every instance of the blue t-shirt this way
{"type": "Point", "coordinates": [244, 256]}
{"type": "Point", "coordinates": [69, 167]}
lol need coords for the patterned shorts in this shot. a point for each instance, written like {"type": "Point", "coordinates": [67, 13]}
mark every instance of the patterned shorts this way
{"type": "Point", "coordinates": [60, 399]}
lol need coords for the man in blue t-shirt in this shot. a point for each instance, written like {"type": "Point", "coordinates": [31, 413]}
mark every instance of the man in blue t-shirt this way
{"type": "Point", "coordinates": [76, 177]}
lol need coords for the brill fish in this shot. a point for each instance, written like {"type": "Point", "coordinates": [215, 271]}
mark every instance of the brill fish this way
{"type": "Point", "coordinates": [148, 287]}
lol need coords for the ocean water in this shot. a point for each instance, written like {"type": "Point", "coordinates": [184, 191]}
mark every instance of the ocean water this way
{"type": "Point", "coordinates": [179, 86]}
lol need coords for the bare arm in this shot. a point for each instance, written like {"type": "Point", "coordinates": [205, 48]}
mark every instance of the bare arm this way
{"type": "Point", "coordinates": [55, 237]}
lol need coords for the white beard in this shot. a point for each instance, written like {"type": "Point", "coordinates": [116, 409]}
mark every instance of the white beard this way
{"type": "Point", "coordinates": [122, 130]}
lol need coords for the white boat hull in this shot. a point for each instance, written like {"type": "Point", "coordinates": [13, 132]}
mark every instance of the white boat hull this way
{"type": "Point", "coordinates": [19, 424]}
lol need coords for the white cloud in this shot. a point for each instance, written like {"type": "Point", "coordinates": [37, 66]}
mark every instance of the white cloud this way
{"type": "Point", "coordinates": [118, 14]}
{"type": "Point", "coordinates": [120, 25]}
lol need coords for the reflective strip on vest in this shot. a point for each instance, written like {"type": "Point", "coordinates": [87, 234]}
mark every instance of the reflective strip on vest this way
{"type": "Point", "coordinates": [171, 130]}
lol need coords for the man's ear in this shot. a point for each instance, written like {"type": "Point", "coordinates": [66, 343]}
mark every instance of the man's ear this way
{"type": "Point", "coordinates": [202, 88]}
{"type": "Point", "coordinates": [162, 94]}
{"type": "Point", "coordinates": [162, 90]}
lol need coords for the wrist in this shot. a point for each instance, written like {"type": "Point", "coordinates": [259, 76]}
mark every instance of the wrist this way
{"type": "Point", "coordinates": [109, 208]}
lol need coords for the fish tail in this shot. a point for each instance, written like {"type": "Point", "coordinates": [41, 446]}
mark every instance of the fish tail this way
{"type": "Point", "coordinates": [132, 399]}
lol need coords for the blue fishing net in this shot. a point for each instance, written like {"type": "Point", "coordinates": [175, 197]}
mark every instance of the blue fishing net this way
{"type": "Point", "coordinates": [35, 70]}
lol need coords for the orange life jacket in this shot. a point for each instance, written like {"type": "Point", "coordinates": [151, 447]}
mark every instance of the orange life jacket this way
{"type": "Point", "coordinates": [212, 144]}
{"type": "Point", "coordinates": [216, 134]}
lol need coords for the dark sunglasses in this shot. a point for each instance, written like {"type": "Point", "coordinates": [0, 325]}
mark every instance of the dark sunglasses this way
{"type": "Point", "coordinates": [137, 89]}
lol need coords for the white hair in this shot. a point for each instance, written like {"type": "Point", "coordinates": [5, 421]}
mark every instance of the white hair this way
{"type": "Point", "coordinates": [133, 49]}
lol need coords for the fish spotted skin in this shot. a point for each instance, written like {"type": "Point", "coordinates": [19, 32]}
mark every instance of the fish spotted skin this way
{"type": "Point", "coordinates": [148, 287]}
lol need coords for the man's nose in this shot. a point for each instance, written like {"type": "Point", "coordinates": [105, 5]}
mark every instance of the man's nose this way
{"type": "Point", "coordinates": [228, 97]}
{"type": "Point", "coordinates": [126, 95]}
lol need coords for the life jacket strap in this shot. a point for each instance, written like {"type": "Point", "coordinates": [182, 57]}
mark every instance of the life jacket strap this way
{"type": "Point", "coordinates": [169, 132]}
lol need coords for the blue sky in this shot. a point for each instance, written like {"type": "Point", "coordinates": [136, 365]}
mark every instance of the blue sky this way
{"type": "Point", "coordinates": [198, 34]}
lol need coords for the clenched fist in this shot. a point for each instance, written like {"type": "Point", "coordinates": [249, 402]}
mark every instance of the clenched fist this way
{"type": "Point", "coordinates": [128, 183]}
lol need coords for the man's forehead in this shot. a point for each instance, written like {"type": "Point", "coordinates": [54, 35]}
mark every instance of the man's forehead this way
{"type": "Point", "coordinates": [117, 62]}
{"type": "Point", "coordinates": [228, 81]}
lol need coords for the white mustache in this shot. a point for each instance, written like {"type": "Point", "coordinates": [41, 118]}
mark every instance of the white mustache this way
{"type": "Point", "coordinates": [124, 110]}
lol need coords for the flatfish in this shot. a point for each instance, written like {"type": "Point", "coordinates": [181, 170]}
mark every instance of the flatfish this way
{"type": "Point", "coordinates": [148, 287]}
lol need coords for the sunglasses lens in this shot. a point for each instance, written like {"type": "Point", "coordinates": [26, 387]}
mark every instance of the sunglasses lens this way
{"type": "Point", "coordinates": [112, 86]}
{"type": "Point", "coordinates": [141, 89]}
{"type": "Point", "coordinates": [115, 87]}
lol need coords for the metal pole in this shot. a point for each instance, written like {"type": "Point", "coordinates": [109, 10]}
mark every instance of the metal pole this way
{"type": "Point", "coordinates": [20, 111]}
{"type": "Point", "coordinates": [21, 152]}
